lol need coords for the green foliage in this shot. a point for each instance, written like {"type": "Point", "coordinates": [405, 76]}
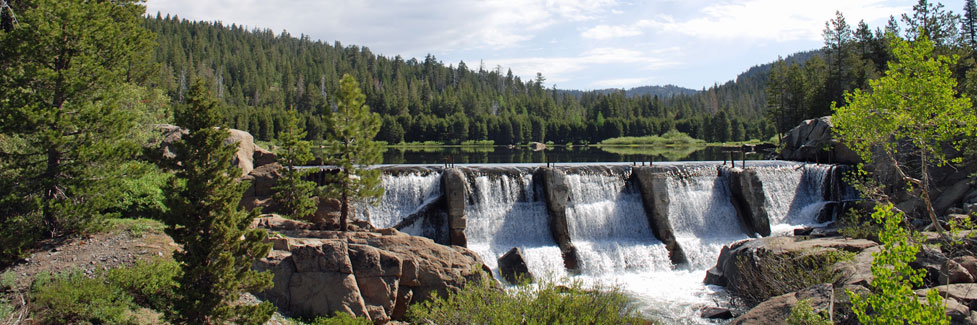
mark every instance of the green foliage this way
{"type": "Point", "coordinates": [672, 137]}
{"type": "Point", "coordinates": [351, 148]}
{"type": "Point", "coordinates": [543, 303]}
{"type": "Point", "coordinates": [770, 275]}
{"type": "Point", "coordinates": [804, 314]}
{"type": "Point", "coordinates": [72, 297]}
{"type": "Point", "coordinates": [7, 280]}
{"type": "Point", "coordinates": [341, 319]}
{"type": "Point", "coordinates": [892, 300]}
{"type": "Point", "coordinates": [61, 73]}
{"type": "Point", "coordinates": [855, 225]}
{"type": "Point", "coordinates": [218, 246]}
{"type": "Point", "coordinates": [294, 194]}
{"type": "Point", "coordinates": [150, 283]}
{"type": "Point", "coordinates": [6, 309]}
{"type": "Point", "coordinates": [136, 227]}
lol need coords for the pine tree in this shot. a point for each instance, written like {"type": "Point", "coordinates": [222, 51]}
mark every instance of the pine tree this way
{"type": "Point", "coordinates": [204, 217]}
{"type": "Point", "coordinates": [62, 130]}
{"type": "Point", "coordinates": [351, 130]}
{"type": "Point", "coordinates": [294, 194]}
{"type": "Point", "coordinates": [970, 22]}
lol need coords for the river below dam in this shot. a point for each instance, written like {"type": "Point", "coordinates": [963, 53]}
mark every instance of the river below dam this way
{"type": "Point", "coordinates": [607, 221]}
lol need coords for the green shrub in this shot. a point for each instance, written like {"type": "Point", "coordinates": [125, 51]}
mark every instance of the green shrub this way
{"type": "Point", "coordinates": [341, 319]}
{"type": "Point", "coordinates": [150, 283]}
{"type": "Point", "coordinates": [137, 227]}
{"type": "Point", "coordinates": [8, 280]}
{"type": "Point", "coordinates": [671, 137]}
{"type": "Point", "coordinates": [72, 297]}
{"type": "Point", "coordinates": [892, 299]}
{"type": "Point", "coordinates": [803, 314]}
{"type": "Point", "coordinates": [771, 275]}
{"type": "Point", "coordinates": [544, 303]}
{"type": "Point", "coordinates": [5, 310]}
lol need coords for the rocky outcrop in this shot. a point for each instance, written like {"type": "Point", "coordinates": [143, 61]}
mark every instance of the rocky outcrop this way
{"type": "Point", "coordinates": [512, 266]}
{"type": "Point", "coordinates": [746, 194]}
{"type": "Point", "coordinates": [654, 195]}
{"type": "Point", "coordinates": [244, 157]}
{"type": "Point", "coordinates": [455, 193]}
{"type": "Point", "coordinates": [365, 274]}
{"type": "Point", "coordinates": [557, 194]}
{"type": "Point", "coordinates": [729, 272]}
{"type": "Point", "coordinates": [776, 309]}
{"type": "Point", "coordinates": [813, 141]}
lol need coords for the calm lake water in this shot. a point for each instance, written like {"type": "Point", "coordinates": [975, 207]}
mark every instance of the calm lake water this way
{"type": "Point", "coordinates": [558, 154]}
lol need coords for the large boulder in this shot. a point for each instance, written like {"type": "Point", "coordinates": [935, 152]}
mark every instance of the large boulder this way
{"type": "Point", "coordinates": [365, 274]}
{"type": "Point", "coordinates": [244, 157]}
{"type": "Point", "coordinates": [259, 193]}
{"type": "Point", "coordinates": [776, 310]}
{"type": "Point", "coordinates": [512, 266]}
{"type": "Point", "coordinates": [729, 271]}
{"type": "Point", "coordinates": [813, 141]}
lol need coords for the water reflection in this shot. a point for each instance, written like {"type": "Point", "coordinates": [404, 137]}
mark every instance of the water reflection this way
{"type": "Point", "coordinates": [559, 154]}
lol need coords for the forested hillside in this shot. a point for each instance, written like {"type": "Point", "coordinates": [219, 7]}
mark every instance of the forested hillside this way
{"type": "Point", "coordinates": [261, 75]}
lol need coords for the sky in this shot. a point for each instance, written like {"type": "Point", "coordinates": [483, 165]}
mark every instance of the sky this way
{"type": "Point", "coordinates": [575, 44]}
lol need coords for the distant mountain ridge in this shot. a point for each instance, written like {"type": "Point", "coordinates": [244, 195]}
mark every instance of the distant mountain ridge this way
{"type": "Point", "coordinates": [665, 91]}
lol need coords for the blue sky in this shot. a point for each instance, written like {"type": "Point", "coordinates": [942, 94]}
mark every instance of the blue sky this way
{"type": "Point", "coordinates": [575, 44]}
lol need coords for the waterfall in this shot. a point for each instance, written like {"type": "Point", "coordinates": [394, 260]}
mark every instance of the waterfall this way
{"type": "Point", "coordinates": [609, 227]}
{"type": "Point", "coordinates": [405, 193]}
{"type": "Point", "coordinates": [701, 213]}
{"type": "Point", "coordinates": [507, 211]}
{"type": "Point", "coordinates": [794, 193]}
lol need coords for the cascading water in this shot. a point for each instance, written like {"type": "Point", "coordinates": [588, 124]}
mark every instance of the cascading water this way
{"type": "Point", "coordinates": [405, 193]}
{"type": "Point", "coordinates": [609, 227]}
{"type": "Point", "coordinates": [507, 210]}
{"type": "Point", "coordinates": [701, 214]}
{"type": "Point", "coordinates": [794, 193]}
{"type": "Point", "coordinates": [608, 223]}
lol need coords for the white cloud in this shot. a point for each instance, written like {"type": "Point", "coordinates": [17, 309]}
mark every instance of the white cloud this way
{"type": "Point", "coordinates": [558, 69]}
{"type": "Point", "coordinates": [775, 20]}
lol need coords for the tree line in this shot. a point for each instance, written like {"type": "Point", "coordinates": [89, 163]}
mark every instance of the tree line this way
{"type": "Point", "coordinates": [260, 75]}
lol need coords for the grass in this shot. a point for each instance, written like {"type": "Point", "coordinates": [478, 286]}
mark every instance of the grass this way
{"type": "Point", "coordinates": [771, 275]}
{"type": "Point", "coordinates": [670, 138]}
{"type": "Point", "coordinates": [130, 295]}
{"type": "Point", "coordinates": [136, 227]}
{"type": "Point", "coordinates": [481, 302]}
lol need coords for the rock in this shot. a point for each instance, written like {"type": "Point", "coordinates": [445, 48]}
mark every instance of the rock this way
{"type": "Point", "coordinates": [747, 197]}
{"type": "Point", "coordinates": [455, 193]}
{"type": "Point", "coordinates": [244, 158]}
{"type": "Point", "coordinates": [807, 142]}
{"type": "Point", "coordinates": [715, 313]}
{"type": "Point", "coordinates": [327, 213]}
{"type": "Point", "coordinates": [953, 272]}
{"type": "Point", "coordinates": [365, 274]}
{"type": "Point", "coordinates": [803, 231]}
{"type": "Point", "coordinates": [276, 222]}
{"type": "Point", "coordinates": [652, 181]}
{"type": "Point", "coordinates": [858, 270]}
{"type": "Point", "coordinates": [512, 266]}
{"type": "Point", "coordinates": [965, 293]}
{"type": "Point", "coordinates": [959, 313]}
{"type": "Point", "coordinates": [536, 146]}
{"type": "Point", "coordinates": [714, 276]}
{"type": "Point", "coordinates": [952, 196]}
{"type": "Point", "coordinates": [968, 262]}
{"type": "Point", "coordinates": [932, 260]}
{"type": "Point", "coordinates": [259, 192]}
{"type": "Point", "coordinates": [775, 310]}
{"type": "Point", "coordinates": [754, 251]}
{"type": "Point", "coordinates": [263, 157]}
{"type": "Point", "coordinates": [557, 194]}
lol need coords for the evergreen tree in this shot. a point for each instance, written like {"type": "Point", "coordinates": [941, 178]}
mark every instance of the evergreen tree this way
{"type": "Point", "coordinates": [292, 192]}
{"type": "Point", "coordinates": [219, 247]}
{"type": "Point", "coordinates": [62, 129]}
{"type": "Point", "coordinates": [970, 23]}
{"type": "Point", "coordinates": [351, 130]}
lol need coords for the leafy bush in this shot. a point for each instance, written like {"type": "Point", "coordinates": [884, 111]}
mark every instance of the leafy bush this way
{"type": "Point", "coordinates": [341, 319]}
{"type": "Point", "coordinates": [137, 227]}
{"type": "Point", "coordinates": [803, 314]}
{"type": "Point", "coordinates": [892, 300]}
{"type": "Point", "coordinates": [543, 303]}
{"type": "Point", "coordinates": [671, 137]}
{"type": "Point", "coordinates": [111, 297]}
{"type": "Point", "coordinates": [7, 280]}
{"type": "Point", "coordinates": [5, 310]}
{"type": "Point", "coordinates": [74, 298]}
{"type": "Point", "coordinates": [771, 275]}
{"type": "Point", "coordinates": [150, 283]}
